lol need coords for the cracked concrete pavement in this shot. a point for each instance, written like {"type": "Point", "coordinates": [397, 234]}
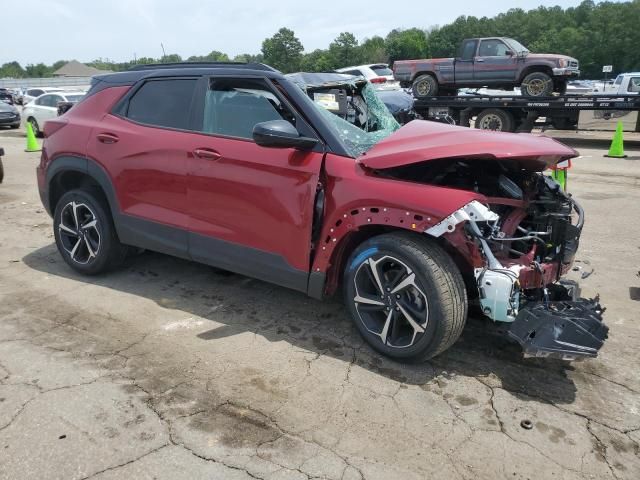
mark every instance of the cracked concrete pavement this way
{"type": "Point", "coordinates": [167, 369]}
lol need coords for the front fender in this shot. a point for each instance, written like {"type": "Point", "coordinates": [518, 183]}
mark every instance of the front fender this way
{"type": "Point", "coordinates": [358, 198]}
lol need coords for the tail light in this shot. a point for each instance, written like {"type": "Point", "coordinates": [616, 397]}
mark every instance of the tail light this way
{"type": "Point", "coordinates": [378, 80]}
{"type": "Point", "coordinates": [52, 126]}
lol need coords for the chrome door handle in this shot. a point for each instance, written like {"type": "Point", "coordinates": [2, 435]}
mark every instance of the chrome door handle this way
{"type": "Point", "coordinates": [206, 153]}
{"type": "Point", "coordinates": [107, 138]}
{"type": "Point", "coordinates": [479, 60]}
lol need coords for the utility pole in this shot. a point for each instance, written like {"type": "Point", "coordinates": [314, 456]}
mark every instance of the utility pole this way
{"type": "Point", "coordinates": [164, 54]}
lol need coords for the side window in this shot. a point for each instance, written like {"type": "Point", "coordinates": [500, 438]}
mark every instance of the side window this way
{"type": "Point", "coordinates": [357, 73]}
{"type": "Point", "coordinates": [48, 100]}
{"type": "Point", "coordinates": [618, 80]}
{"type": "Point", "coordinates": [468, 50]}
{"type": "Point", "coordinates": [492, 48]}
{"type": "Point", "coordinates": [34, 92]}
{"type": "Point", "coordinates": [233, 106]}
{"type": "Point", "coordinates": [164, 103]}
{"type": "Point", "coordinates": [54, 100]}
{"type": "Point", "coordinates": [634, 85]}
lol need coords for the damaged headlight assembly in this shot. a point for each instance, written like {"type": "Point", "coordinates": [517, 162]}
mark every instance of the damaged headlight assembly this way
{"type": "Point", "coordinates": [558, 324]}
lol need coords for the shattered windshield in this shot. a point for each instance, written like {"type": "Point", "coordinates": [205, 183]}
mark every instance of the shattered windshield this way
{"type": "Point", "coordinates": [362, 121]}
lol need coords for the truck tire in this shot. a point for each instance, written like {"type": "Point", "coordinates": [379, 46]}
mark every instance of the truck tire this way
{"type": "Point", "coordinates": [425, 86]}
{"type": "Point", "coordinates": [537, 84]}
{"type": "Point", "coordinates": [496, 120]}
{"type": "Point", "coordinates": [406, 296]}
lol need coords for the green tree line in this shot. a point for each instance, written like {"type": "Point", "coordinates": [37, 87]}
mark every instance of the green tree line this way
{"type": "Point", "coordinates": [597, 34]}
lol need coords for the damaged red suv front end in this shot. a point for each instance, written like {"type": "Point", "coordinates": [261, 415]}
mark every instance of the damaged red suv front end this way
{"type": "Point", "coordinates": [515, 237]}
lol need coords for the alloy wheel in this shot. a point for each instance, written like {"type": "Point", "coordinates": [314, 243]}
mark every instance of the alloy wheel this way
{"type": "Point", "coordinates": [79, 235]}
{"type": "Point", "coordinates": [390, 302]}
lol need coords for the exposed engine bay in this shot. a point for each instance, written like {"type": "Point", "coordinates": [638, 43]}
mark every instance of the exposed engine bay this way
{"type": "Point", "coordinates": [518, 244]}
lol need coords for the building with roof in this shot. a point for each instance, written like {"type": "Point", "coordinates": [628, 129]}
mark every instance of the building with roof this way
{"type": "Point", "coordinates": [77, 69]}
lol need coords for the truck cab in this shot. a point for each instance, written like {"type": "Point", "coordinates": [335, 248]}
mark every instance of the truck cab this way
{"type": "Point", "coordinates": [624, 84]}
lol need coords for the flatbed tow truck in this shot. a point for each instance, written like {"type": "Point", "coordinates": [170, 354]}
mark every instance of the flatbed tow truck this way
{"type": "Point", "coordinates": [514, 113]}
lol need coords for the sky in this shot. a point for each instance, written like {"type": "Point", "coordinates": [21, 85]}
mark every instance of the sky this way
{"type": "Point", "coordinates": [51, 30]}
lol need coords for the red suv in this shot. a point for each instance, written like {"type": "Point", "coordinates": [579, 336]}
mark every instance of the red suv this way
{"type": "Point", "coordinates": [234, 165]}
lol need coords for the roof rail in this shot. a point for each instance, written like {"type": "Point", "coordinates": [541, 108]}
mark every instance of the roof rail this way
{"type": "Point", "coordinates": [243, 65]}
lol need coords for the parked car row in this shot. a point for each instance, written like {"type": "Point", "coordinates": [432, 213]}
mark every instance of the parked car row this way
{"type": "Point", "coordinates": [39, 105]}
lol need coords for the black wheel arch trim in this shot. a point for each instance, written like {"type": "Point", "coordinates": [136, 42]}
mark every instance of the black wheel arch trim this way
{"type": "Point", "coordinates": [90, 168]}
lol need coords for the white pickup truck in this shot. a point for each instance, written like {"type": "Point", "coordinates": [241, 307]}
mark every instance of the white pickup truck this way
{"type": "Point", "coordinates": [624, 84]}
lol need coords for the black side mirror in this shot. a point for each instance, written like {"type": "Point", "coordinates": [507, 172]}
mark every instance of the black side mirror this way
{"type": "Point", "coordinates": [509, 53]}
{"type": "Point", "coordinates": [281, 134]}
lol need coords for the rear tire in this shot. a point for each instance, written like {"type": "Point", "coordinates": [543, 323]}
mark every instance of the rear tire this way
{"type": "Point", "coordinates": [496, 120]}
{"type": "Point", "coordinates": [406, 296]}
{"type": "Point", "coordinates": [537, 84]}
{"type": "Point", "coordinates": [84, 232]}
{"type": "Point", "coordinates": [425, 86]}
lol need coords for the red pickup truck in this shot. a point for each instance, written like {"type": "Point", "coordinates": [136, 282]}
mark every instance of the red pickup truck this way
{"type": "Point", "coordinates": [495, 62]}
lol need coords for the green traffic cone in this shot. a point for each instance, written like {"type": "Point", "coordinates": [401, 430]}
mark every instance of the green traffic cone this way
{"type": "Point", "coordinates": [32, 144]}
{"type": "Point", "coordinates": [560, 176]}
{"type": "Point", "coordinates": [617, 147]}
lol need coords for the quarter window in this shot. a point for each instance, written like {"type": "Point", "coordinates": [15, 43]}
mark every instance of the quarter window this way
{"type": "Point", "coordinates": [234, 106]}
{"type": "Point", "coordinates": [163, 103]}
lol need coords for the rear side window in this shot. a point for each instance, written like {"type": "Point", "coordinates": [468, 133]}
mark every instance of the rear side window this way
{"type": "Point", "coordinates": [382, 70]}
{"type": "Point", "coordinates": [34, 92]}
{"type": "Point", "coordinates": [163, 103]}
{"type": "Point", "coordinates": [634, 85]}
{"type": "Point", "coordinates": [468, 50]}
{"type": "Point", "coordinates": [233, 106]}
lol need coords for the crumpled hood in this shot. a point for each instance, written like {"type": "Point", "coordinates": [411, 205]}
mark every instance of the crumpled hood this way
{"type": "Point", "coordinates": [422, 140]}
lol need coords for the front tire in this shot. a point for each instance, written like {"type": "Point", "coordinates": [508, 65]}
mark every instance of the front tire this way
{"type": "Point", "coordinates": [425, 86]}
{"type": "Point", "coordinates": [85, 234]}
{"type": "Point", "coordinates": [406, 296]}
{"type": "Point", "coordinates": [537, 84]}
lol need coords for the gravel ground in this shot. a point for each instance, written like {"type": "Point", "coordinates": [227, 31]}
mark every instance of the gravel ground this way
{"type": "Point", "coordinates": [167, 369]}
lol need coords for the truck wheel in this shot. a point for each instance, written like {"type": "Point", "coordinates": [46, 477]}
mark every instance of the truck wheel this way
{"type": "Point", "coordinates": [496, 120]}
{"type": "Point", "coordinates": [425, 86]}
{"type": "Point", "coordinates": [84, 232]}
{"type": "Point", "coordinates": [537, 84]}
{"type": "Point", "coordinates": [406, 296]}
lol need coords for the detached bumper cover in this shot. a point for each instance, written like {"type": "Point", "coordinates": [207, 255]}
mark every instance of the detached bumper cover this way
{"type": "Point", "coordinates": [561, 329]}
